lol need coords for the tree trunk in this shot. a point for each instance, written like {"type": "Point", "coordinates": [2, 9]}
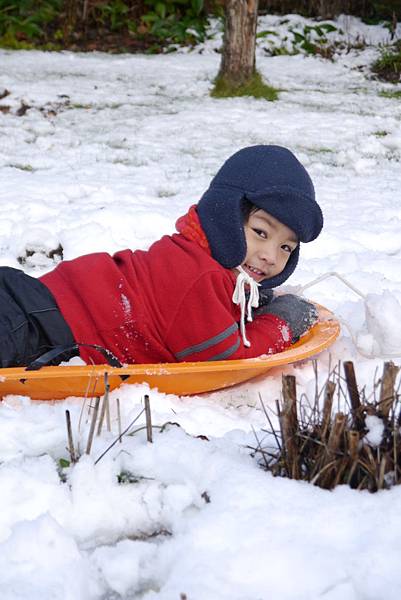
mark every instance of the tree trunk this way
{"type": "Point", "coordinates": [71, 8]}
{"type": "Point", "coordinates": [238, 58]}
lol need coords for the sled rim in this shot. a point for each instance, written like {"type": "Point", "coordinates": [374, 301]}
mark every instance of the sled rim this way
{"type": "Point", "coordinates": [221, 374]}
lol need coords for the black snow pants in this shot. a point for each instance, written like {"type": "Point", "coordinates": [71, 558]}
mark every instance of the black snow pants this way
{"type": "Point", "coordinates": [30, 321]}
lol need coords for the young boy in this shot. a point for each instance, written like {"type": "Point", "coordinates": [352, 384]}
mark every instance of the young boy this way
{"type": "Point", "coordinates": [187, 297]}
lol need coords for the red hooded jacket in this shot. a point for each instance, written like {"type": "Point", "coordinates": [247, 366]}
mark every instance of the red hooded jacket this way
{"type": "Point", "coordinates": [168, 304]}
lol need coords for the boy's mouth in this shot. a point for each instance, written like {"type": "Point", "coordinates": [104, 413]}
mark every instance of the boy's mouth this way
{"type": "Point", "coordinates": [255, 273]}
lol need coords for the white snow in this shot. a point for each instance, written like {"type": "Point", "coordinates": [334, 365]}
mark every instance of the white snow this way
{"type": "Point", "coordinates": [111, 152]}
{"type": "Point", "coordinates": [383, 320]}
{"type": "Point", "coordinates": [375, 432]}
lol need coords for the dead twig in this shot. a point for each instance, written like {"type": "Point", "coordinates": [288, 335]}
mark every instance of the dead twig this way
{"type": "Point", "coordinates": [327, 407]}
{"type": "Point", "coordinates": [71, 448]}
{"type": "Point", "coordinates": [148, 417]}
{"type": "Point", "coordinates": [289, 425]}
{"type": "Point", "coordinates": [119, 436]}
{"type": "Point", "coordinates": [387, 392]}
{"type": "Point", "coordinates": [353, 394]}
{"type": "Point", "coordinates": [272, 430]}
{"type": "Point", "coordinates": [119, 419]}
{"type": "Point", "coordinates": [105, 404]}
{"type": "Point", "coordinates": [92, 425]}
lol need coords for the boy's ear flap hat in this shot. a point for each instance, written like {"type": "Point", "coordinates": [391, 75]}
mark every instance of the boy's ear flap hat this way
{"type": "Point", "coordinates": [272, 179]}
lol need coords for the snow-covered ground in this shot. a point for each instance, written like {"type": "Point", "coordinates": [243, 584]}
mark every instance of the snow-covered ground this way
{"type": "Point", "coordinates": [111, 151]}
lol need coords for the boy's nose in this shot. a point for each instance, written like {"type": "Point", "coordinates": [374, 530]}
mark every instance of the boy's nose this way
{"type": "Point", "coordinates": [269, 255]}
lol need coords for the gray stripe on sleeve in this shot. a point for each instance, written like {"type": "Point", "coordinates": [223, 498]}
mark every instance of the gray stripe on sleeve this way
{"type": "Point", "coordinates": [207, 343]}
{"type": "Point", "coordinates": [227, 352]}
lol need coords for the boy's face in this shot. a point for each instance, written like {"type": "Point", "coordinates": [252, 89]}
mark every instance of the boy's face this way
{"type": "Point", "coordinates": [269, 245]}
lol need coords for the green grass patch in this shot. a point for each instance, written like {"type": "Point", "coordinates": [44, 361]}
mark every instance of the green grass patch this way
{"type": "Point", "coordinates": [388, 66]}
{"type": "Point", "coordinates": [28, 168]}
{"type": "Point", "coordinates": [10, 43]}
{"type": "Point", "coordinates": [322, 150]}
{"type": "Point", "coordinates": [381, 133]}
{"type": "Point", "coordinates": [80, 106]}
{"type": "Point", "coordinates": [255, 87]}
{"type": "Point", "coordinates": [22, 167]}
{"type": "Point", "coordinates": [390, 93]}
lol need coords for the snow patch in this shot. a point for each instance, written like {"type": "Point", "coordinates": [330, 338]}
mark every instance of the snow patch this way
{"type": "Point", "coordinates": [375, 430]}
{"type": "Point", "coordinates": [383, 321]}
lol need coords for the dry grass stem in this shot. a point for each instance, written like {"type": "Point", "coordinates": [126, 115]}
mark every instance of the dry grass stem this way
{"type": "Point", "coordinates": [71, 448]}
{"type": "Point", "coordinates": [329, 449]}
{"type": "Point", "coordinates": [106, 400]}
{"type": "Point", "coordinates": [119, 420]}
{"type": "Point", "coordinates": [327, 407]}
{"type": "Point", "coordinates": [387, 391]}
{"type": "Point", "coordinates": [289, 425]}
{"type": "Point", "coordinates": [352, 387]}
{"type": "Point", "coordinates": [102, 414]}
{"type": "Point", "coordinates": [272, 430]}
{"type": "Point", "coordinates": [148, 417]}
{"type": "Point", "coordinates": [92, 425]}
{"type": "Point", "coordinates": [118, 438]}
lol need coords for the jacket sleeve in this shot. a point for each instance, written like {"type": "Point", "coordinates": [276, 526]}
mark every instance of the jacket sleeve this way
{"type": "Point", "coordinates": [204, 326]}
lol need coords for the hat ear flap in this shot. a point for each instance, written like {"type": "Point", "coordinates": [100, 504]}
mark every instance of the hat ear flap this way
{"type": "Point", "coordinates": [222, 221]}
{"type": "Point", "coordinates": [221, 218]}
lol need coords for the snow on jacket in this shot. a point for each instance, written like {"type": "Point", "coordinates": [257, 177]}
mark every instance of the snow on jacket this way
{"type": "Point", "coordinates": [171, 303]}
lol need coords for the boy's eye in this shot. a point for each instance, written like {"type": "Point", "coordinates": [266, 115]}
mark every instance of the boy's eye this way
{"type": "Point", "coordinates": [260, 233]}
{"type": "Point", "coordinates": [287, 248]}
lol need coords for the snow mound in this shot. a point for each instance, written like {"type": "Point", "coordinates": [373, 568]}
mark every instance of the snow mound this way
{"type": "Point", "coordinates": [383, 321]}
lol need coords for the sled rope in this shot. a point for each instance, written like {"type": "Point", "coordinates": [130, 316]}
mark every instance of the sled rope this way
{"type": "Point", "coordinates": [326, 276]}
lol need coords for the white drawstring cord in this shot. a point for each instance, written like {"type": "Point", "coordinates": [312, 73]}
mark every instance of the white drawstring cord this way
{"type": "Point", "coordinates": [301, 289]}
{"type": "Point", "coordinates": [239, 297]}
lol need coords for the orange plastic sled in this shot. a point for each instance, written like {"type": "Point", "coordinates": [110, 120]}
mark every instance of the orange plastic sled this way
{"type": "Point", "coordinates": [56, 383]}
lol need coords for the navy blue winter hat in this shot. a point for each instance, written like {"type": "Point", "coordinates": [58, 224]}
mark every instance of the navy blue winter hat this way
{"type": "Point", "coordinates": [272, 179]}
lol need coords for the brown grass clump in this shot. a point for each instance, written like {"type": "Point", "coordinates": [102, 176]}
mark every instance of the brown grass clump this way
{"type": "Point", "coordinates": [358, 445]}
